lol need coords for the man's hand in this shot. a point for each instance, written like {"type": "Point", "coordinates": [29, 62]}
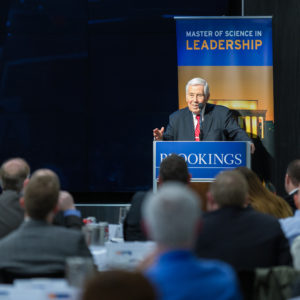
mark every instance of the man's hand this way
{"type": "Point", "coordinates": [252, 148]}
{"type": "Point", "coordinates": [158, 134]}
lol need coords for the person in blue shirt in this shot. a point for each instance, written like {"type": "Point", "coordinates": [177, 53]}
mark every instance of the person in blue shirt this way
{"type": "Point", "coordinates": [172, 219]}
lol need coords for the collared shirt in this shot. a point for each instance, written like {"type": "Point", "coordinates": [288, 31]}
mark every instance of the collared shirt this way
{"type": "Point", "coordinates": [72, 212]}
{"type": "Point", "coordinates": [293, 191]}
{"type": "Point", "coordinates": [178, 274]}
{"type": "Point", "coordinates": [291, 226]}
{"type": "Point", "coordinates": [195, 117]}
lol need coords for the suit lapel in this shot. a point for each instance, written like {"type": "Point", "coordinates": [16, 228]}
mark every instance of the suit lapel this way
{"type": "Point", "coordinates": [190, 131]}
{"type": "Point", "coordinates": [207, 119]}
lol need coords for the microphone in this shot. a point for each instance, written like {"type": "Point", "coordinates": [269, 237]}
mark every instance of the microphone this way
{"type": "Point", "coordinates": [200, 106]}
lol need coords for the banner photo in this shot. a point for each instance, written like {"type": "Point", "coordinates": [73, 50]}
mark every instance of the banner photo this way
{"type": "Point", "coordinates": [234, 55]}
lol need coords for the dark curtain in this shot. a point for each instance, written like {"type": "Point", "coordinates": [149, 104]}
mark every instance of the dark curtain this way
{"type": "Point", "coordinates": [286, 61]}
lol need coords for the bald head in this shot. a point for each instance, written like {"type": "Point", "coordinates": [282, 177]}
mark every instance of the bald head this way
{"type": "Point", "coordinates": [230, 188]}
{"type": "Point", "coordinates": [41, 193]}
{"type": "Point", "coordinates": [13, 172]}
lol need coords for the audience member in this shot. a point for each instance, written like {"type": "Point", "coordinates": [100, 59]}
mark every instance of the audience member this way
{"type": "Point", "coordinates": [261, 199]}
{"type": "Point", "coordinates": [172, 219]}
{"type": "Point", "coordinates": [67, 215]}
{"type": "Point", "coordinates": [237, 234]}
{"type": "Point", "coordinates": [292, 182]}
{"type": "Point", "coordinates": [291, 225]}
{"type": "Point", "coordinates": [172, 168]}
{"type": "Point", "coordinates": [13, 173]}
{"type": "Point", "coordinates": [118, 285]}
{"type": "Point", "coordinates": [295, 249]}
{"type": "Point", "coordinates": [37, 247]}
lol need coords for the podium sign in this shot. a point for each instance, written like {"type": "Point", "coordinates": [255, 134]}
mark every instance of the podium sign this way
{"type": "Point", "coordinates": [204, 159]}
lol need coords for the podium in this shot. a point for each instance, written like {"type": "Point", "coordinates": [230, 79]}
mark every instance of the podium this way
{"type": "Point", "coordinates": [205, 160]}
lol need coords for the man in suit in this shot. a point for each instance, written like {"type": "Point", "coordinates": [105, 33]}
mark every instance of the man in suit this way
{"type": "Point", "coordinates": [38, 247]}
{"type": "Point", "coordinates": [201, 120]}
{"type": "Point", "coordinates": [292, 182]}
{"type": "Point", "coordinates": [291, 225]}
{"type": "Point", "coordinates": [13, 173]}
{"type": "Point", "coordinates": [237, 234]}
{"type": "Point", "coordinates": [172, 168]}
{"type": "Point", "coordinates": [67, 214]}
{"type": "Point", "coordinates": [172, 219]}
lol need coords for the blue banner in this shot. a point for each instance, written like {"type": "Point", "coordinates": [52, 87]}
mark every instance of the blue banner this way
{"type": "Point", "coordinates": [205, 159]}
{"type": "Point", "coordinates": [224, 42]}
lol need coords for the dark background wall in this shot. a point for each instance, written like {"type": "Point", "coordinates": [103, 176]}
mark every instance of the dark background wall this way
{"type": "Point", "coordinates": [83, 83]}
{"type": "Point", "coordinates": [286, 61]}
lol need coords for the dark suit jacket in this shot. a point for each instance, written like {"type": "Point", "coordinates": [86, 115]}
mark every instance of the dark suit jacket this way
{"type": "Point", "coordinates": [244, 238]}
{"type": "Point", "coordinates": [11, 213]}
{"type": "Point", "coordinates": [132, 228]}
{"type": "Point", "coordinates": [218, 125]}
{"type": "Point", "coordinates": [290, 200]}
{"type": "Point", "coordinates": [71, 221]}
{"type": "Point", "coordinates": [38, 247]}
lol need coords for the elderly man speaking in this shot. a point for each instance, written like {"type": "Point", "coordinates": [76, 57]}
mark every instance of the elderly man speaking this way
{"type": "Point", "coordinates": [201, 121]}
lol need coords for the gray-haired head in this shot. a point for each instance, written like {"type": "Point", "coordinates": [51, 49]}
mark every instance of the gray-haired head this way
{"type": "Point", "coordinates": [171, 215]}
{"type": "Point", "coordinates": [230, 188]}
{"type": "Point", "coordinates": [198, 81]}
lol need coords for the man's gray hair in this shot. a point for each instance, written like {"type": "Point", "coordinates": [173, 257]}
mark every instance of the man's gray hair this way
{"type": "Point", "coordinates": [171, 215]}
{"type": "Point", "coordinates": [198, 81]}
{"type": "Point", "coordinates": [230, 188]}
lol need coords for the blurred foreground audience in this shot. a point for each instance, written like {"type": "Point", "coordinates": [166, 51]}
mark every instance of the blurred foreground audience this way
{"type": "Point", "coordinates": [237, 234]}
{"type": "Point", "coordinates": [292, 182]}
{"type": "Point", "coordinates": [172, 220]}
{"type": "Point", "coordinates": [13, 173]}
{"type": "Point", "coordinates": [37, 247]}
{"type": "Point", "coordinates": [172, 168]}
{"type": "Point", "coordinates": [118, 285]}
{"type": "Point", "coordinates": [263, 200]}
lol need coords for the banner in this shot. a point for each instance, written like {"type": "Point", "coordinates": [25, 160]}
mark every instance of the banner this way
{"type": "Point", "coordinates": [234, 55]}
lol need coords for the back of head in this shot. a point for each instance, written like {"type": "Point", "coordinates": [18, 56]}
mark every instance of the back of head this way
{"type": "Point", "coordinates": [174, 168]}
{"type": "Point", "coordinates": [13, 173]}
{"type": "Point", "coordinates": [293, 171]}
{"type": "Point", "coordinates": [171, 215]}
{"type": "Point", "coordinates": [118, 285]}
{"type": "Point", "coordinates": [261, 199]}
{"type": "Point", "coordinates": [229, 189]}
{"type": "Point", "coordinates": [41, 194]}
{"type": "Point", "coordinates": [254, 184]}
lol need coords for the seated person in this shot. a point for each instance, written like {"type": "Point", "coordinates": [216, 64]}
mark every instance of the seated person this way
{"type": "Point", "coordinates": [172, 219]}
{"type": "Point", "coordinates": [291, 225]}
{"type": "Point", "coordinates": [263, 200]}
{"type": "Point", "coordinates": [238, 234]}
{"type": "Point", "coordinates": [14, 174]}
{"type": "Point", "coordinates": [67, 214]}
{"type": "Point", "coordinates": [172, 168]}
{"type": "Point", "coordinates": [38, 247]}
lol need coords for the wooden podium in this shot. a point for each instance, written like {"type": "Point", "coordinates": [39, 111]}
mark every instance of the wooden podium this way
{"type": "Point", "coordinates": [205, 160]}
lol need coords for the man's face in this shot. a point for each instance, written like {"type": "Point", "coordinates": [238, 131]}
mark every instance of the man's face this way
{"type": "Point", "coordinates": [194, 96]}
